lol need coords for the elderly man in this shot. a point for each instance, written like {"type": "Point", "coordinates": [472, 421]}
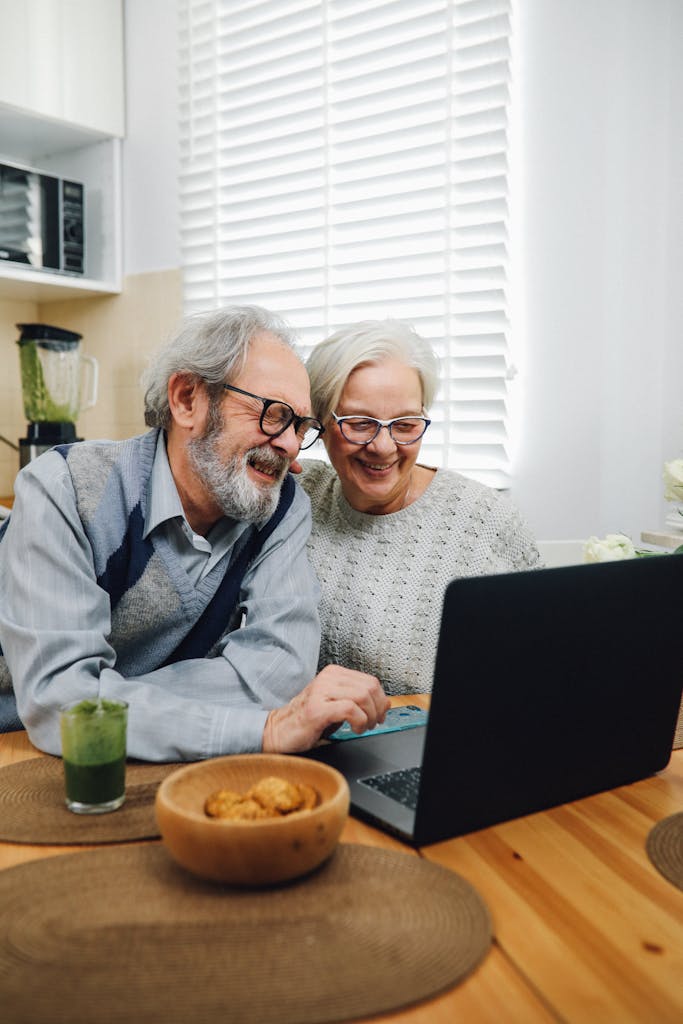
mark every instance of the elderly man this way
{"type": "Point", "coordinates": [169, 570]}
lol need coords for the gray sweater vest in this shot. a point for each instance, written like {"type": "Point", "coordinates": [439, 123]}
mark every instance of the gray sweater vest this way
{"type": "Point", "coordinates": [157, 615]}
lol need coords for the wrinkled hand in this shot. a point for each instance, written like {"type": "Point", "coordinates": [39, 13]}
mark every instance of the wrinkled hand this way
{"type": "Point", "coordinates": [335, 695]}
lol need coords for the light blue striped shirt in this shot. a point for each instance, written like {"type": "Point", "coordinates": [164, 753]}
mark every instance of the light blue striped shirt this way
{"type": "Point", "coordinates": [55, 622]}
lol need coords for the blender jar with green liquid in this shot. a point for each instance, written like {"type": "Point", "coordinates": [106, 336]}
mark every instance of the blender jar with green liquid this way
{"type": "Point", "coordinates": [52, 378]}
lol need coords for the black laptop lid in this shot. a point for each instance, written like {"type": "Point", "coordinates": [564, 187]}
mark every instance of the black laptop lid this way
{"type": "Point", "coordinates": [550, 685]}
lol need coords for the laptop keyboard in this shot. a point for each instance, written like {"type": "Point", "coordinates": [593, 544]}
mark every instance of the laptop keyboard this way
{"type": "Point", "coordinates": [401, 785]}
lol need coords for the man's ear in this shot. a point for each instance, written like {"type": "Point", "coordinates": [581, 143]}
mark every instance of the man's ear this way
{"type": "Point", "coordinates": [186, 399]}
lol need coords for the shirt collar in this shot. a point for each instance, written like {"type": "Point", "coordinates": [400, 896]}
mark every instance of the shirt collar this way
{"type": "Point", "coordinates": [163, 500]}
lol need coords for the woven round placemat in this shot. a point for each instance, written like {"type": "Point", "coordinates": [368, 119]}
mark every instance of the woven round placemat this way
{"type": "Point", "coordinates": [32, 808]}
{"type": "Point", "coordinates": [123, 934]}
{"type": "Point", "coordinates": [664, 846]}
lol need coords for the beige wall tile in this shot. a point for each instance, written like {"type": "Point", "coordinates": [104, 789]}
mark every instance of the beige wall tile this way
{"type": "Point", "coordinates": [120, 331]}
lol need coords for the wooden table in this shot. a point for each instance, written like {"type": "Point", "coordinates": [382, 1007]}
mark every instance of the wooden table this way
{"type": "Point", "coordinates": [587, 931]}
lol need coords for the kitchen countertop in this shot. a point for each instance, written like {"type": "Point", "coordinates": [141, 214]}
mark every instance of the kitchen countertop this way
{"type": "Point", "coordinates": [662, 538]}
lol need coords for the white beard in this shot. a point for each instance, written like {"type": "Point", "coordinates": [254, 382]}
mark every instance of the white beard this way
{"type": "Point", "coordinates": [237, 495]}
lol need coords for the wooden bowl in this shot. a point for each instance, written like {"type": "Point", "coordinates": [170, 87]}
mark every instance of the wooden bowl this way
{"type": "Point", "coordinates": [259, 852]}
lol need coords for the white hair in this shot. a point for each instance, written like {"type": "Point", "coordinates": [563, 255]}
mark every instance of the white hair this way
{"type": "Point", "coordinates": [211, 346]}
{"type": "Point", "coordinates": [332, 361]}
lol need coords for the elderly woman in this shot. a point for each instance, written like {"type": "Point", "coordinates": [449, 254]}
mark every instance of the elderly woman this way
{"type": "Point", "coordinates": [388, 532]}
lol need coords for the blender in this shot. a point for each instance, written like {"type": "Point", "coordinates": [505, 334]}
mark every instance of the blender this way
{"type": "Point", "coordinates": [52, 368]}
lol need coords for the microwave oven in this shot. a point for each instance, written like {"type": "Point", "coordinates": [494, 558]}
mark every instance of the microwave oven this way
{"type": "Point", "coordinates": [41, 220]}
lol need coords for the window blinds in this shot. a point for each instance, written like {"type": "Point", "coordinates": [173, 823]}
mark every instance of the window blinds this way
{"type": "Point", "coordinates": [348, 160]}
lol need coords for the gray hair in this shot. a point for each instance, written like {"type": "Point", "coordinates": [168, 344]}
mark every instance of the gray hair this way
{"type": "Point", "coordinates": [332, 361]}
{"type": "Point", "coordinates": [211, 346]}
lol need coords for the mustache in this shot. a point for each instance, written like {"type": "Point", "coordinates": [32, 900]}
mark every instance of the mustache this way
{"type": "Point", "coordinates": [266, 458]}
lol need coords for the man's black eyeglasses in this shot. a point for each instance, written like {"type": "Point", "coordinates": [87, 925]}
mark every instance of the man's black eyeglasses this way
{"type": "Point", "coordinates": [277, 416]}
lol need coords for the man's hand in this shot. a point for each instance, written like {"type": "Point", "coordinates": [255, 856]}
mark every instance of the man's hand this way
{"type": "Point", "coordinates": [335, 695]}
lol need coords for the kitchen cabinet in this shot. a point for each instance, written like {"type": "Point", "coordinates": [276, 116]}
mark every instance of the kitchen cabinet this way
{"type": "Point", "coordinates": [62, 112]}
{"type": "Point", "coordinates": [63, 59]}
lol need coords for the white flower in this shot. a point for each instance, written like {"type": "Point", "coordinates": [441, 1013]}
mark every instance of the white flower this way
{"type": "Point", "coordinates": [673, 480]}
{"type": "Point", "coordinates": [613, 548]}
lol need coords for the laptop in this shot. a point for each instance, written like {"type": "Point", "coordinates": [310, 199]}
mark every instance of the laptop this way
{"type": "Point", "coordinates": [549, 685]}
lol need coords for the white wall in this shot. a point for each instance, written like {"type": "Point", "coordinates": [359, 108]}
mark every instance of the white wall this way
{"type": "Point", "coordinates": [602, 244]}
{"type": "Point", "coordinates": [599, 229]}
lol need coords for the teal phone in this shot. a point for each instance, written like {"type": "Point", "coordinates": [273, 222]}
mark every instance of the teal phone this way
{"type": "Point", "coordinates": [407, 717]}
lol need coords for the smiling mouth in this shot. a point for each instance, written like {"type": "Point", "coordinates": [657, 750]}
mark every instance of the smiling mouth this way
{"type": "Point", "coordinates": [376, 467]}
{"type": "Point", "coordinates": [272, 470]}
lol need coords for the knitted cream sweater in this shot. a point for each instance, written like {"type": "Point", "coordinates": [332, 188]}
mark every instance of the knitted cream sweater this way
{"type": "Point", "coordinates": [383, 577]}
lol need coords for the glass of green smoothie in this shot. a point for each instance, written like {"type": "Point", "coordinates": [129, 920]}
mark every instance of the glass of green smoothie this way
{"type": "Point", "coordinates": [94, 754]}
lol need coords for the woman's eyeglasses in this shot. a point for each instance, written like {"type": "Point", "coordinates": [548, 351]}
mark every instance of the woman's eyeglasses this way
{"type": "Point", "coordinates": [277, 416]}
{"type": "Point", "coordinates": [364, 429]}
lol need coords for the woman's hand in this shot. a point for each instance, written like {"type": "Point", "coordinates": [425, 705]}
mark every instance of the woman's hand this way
{"type": "Point", "coordinates": [335, 695]}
